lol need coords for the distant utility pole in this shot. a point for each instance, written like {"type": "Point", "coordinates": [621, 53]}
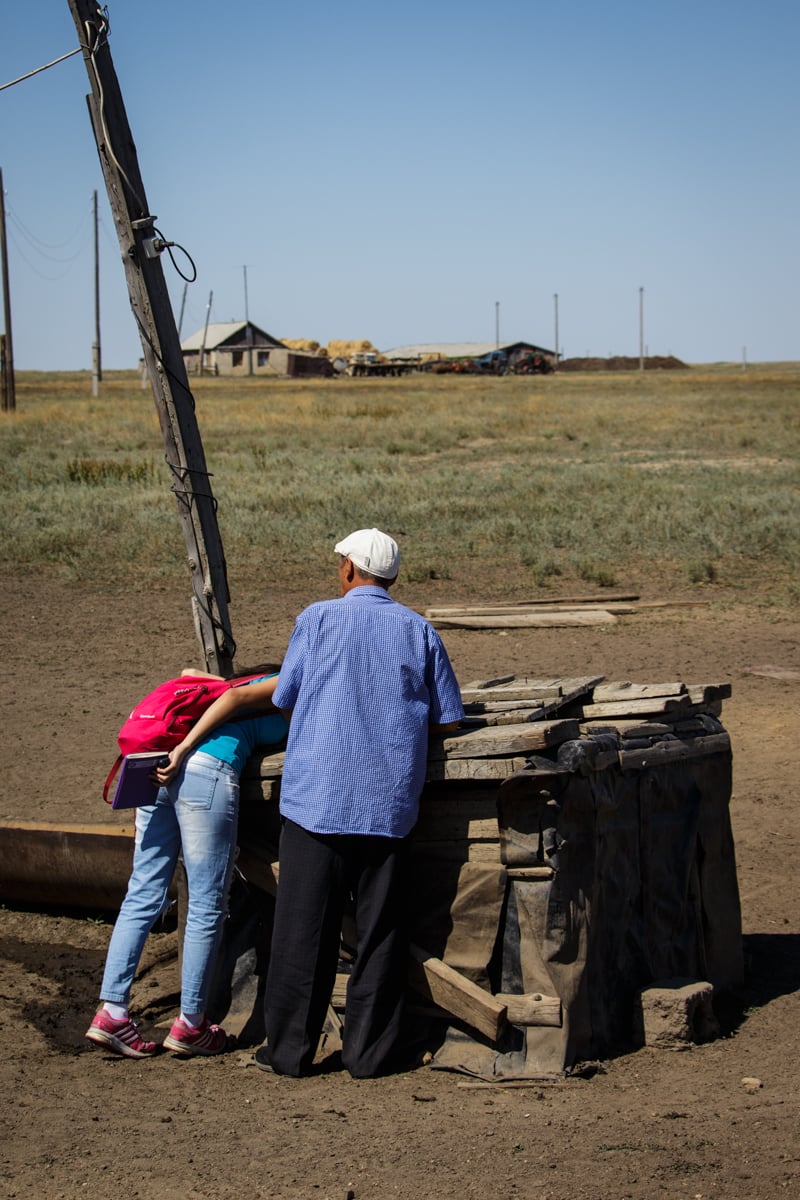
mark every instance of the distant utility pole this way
{"type": "Point", "coordinates": [555, 302]}
{"type": "Point", "coordinates": [183, 306]}
{"type": "Point", "coordinates": [9, 390]}
{"type": "Point", "coordinates": [205, 335]}
{"type": "Point", "coordinates": [97, 369]}
{"type": "Point", "coordinates": [641, 328]}
{"type": "Point", "coordinates": [497, 324]}
{"type": "Point", "coordinates": [249, 330]}
{"type": "Point", "coordinates": [141, 246]}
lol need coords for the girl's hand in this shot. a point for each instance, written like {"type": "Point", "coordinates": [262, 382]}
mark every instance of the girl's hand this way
{"type": "Point", "coordinates": [166, 774]}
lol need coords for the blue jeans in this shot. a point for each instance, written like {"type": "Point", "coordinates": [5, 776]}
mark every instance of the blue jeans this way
{"type": "Point", "coordinates": [195, 816]}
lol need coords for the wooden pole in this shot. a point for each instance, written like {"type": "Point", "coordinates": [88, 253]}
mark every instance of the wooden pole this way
{"type": "Point", "coordinates": [183, 308]}
{"type": "Point", "coordinates": [9, 389]}
{"type": "Point", "coordinates": [249, 327]}
{"type": "Point", "coordinates": [201, 356]}
{"type": "Point", "coordinates": [97, 368]}
{"type": "Point", "coordinates": [555, 302]}
{"type": "Point", "coordinates": [141, 247]}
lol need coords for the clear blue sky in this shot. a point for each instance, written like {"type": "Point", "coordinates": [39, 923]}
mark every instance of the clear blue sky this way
{"type": "Point", "coordinates": [393, 172]}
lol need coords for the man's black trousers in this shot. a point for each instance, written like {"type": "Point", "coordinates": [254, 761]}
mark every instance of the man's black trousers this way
{"type": "Point", "coordinates": [319, 874]}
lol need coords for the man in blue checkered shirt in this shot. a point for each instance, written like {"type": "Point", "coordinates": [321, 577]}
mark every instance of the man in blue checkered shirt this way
{"type": "Point", "coordinates": [366, 681]}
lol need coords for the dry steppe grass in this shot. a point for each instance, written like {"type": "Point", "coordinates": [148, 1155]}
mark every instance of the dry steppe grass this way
{"type": "Point", "coordinates": [681, 479]}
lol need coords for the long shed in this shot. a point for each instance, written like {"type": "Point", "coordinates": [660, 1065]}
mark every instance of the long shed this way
{"type": "Point", "coordinates": [423, 351]}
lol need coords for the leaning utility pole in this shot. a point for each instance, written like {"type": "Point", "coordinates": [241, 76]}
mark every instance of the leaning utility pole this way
{"type": "Point", "coordinates": [141, 246]}
{"type": "Point", "coordinates": [9, 390]}
{"type": "Point", "coordinates": [97, 362]}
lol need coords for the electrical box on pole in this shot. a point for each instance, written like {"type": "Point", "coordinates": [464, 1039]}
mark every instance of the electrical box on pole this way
{"type": "Point", "coordinates": [141, 246]}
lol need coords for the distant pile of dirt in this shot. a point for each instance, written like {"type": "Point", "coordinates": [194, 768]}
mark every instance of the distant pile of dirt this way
{"type": "Point", "coordinates": [618, 362]}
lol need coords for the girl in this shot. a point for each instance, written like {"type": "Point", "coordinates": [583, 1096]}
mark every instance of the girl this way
{"type": "Point", "coordinates": [195, 815]}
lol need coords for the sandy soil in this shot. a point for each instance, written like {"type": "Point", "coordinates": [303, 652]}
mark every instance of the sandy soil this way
{"type": "Point", "coordinates": [77, 1123]}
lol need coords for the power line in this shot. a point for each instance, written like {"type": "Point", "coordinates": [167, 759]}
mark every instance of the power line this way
{"type": "Point", "coordinates": [38, 70]}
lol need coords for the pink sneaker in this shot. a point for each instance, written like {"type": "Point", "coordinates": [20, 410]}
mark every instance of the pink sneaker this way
{"type": "Point", "coordinates": [121, 1036]}
{"type": "Point", "coordinates": [207, 1039]}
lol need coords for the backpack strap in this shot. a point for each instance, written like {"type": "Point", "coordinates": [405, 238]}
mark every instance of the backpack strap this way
{"type": "Point", "coordinates": [110, 778]}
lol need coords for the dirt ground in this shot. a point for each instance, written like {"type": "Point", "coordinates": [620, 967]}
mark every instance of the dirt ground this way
{"type": "Point", "coordinates": [75, 1122]}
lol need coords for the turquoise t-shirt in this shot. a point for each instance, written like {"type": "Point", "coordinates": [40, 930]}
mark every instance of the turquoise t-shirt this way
{"type": "Point", "coordinates": [235, 741]}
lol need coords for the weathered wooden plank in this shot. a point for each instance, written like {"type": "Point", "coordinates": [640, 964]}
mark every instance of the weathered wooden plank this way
{"type": "Point", "coordinates": [502, 610]}
{"type": "Point", "coordinates": [662, 752]}
{"type": "Point", "coordinates": [544, 620]}
{"type": "Point", "coordinates": [473, 768]}
{"type": "Point", "coordinates": [507, 685]}
{"type": "Point", "coordinates": [530, 704]}
{"type": "Point", "coordinates": [339, 994]}
{"type": "Point", "coordinates": [456, 820]}
{"type": "Point", "coordinates": [43, 863]}
{"type": "Point", "coordinates": [629, 708]}
{"type": "Point", "coordinates": [709, 693]}
{"type": "Point", "coordinates": [267, 766]}
{"type": "Point", "coordinates": [527, 688]}
{"type": "Point", "coordinates": [550, 601]}
{"type": "Point", "coordinates": [495, 681]}
{"type": "Point", "coordinates": [509, 716]}
{"type": "Point", "coordinates": [713, 708]}
{"type": "Point", "coordinates": [636, 691]}
{"type": "Point", "coordinates": [630, 727]}
{"type": "Point", "coordinates": [530, 873]}
{"type": "Point", "coordinates": [456, 995]}
{"type": "Point", "coordinates": [682, 719]}
{"type": "Point", "coordinates": [522, 692]}
{"type": "Point", "coordinates": [503, 740]}
{"type": "Point", "coordinates": [531, 1009]}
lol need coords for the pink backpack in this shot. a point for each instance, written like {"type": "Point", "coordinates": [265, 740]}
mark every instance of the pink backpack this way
{"type": "Point", "coordinates": [163, 718]}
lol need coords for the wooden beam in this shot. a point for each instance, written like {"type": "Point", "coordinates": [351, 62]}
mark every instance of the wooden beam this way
{"type": "Point", "coordinates": [141, 246]}
{"type": "Point", "coordinates": [87, 866]}
{"type": "Point", "coordinates": [509, 716]}
{"type": "Point", "coordinates": [549, 602]}
{"type": "Point", "coordinates": [444, 769]}
{"type": "Point", "coordinates": [531, 620]}
{"type": "Point", "coordinates": [636, 691]}
{"type": "Point", "coordinates": [530, 873]}
{"type": "Point", "coordinates": [507, 610]}
{"type": "Point", "coordinates": [662, 752]}
{"type": "Point", "coordinates": [456, 995]}
{"type": "Point", "coordinates": [503, 740]}
{"type": "Point", "coordinates": [531, 1009]}
{"type": "Point", "coordinates": [524, 687]}
{"type": "Point", "coordinates": [630, 708]}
